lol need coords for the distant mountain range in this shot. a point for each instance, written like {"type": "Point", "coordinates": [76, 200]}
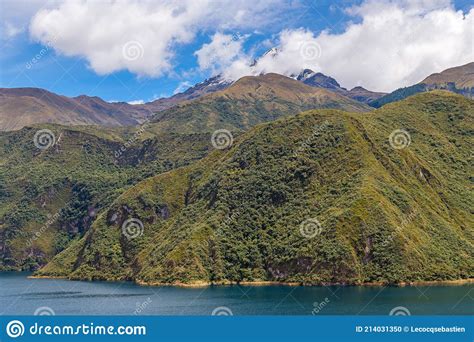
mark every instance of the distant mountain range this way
{"type": "Point", "coordinates": [21, 107]}
{"type": "Point", "coordinates": [248, 102]}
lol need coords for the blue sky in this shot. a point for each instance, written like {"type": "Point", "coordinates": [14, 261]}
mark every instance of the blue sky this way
{"type": "Point", "coordinates": [69, 65]}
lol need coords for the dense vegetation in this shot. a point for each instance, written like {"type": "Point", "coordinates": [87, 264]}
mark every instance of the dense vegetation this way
{"type": "Point", "coordinates": [50, 197]}
{"type": "Point", "coordinates": [386, 214]}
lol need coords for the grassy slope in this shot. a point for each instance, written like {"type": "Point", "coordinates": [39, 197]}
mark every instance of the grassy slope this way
{"type": "Point", "coordinates": [387, 215]}
{"type": "Point", "coordinates": [72, 181]}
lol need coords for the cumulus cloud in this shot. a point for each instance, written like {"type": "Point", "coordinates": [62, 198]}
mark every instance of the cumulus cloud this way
{"type": "Point", "coordinates": [140, 36]}
{"type": "Point", "coordinates": [393, 44]}
{"type": "Point", "coordinates": [17, 14]}
{"type": "Point", "coordinates": [221, 52]}
{"type": "Point", "coordinates": [136, 102]}
{"type": "Point", "coordinates": [296, 50]}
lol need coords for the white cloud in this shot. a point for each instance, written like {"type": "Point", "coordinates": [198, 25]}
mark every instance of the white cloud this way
{"type": "Point", "coordinates": [182, 87]}
{"type": "Point", "coordinates": [394, 44]}
{"type": "Point", "coordinates": [297, 50]}
{"type": "Point", "coordinates": [136, 102]}
{"type": "Point", "coordinates": [140, 36]}
{"type": "Point", "coordinates": [17, 14]}
{"type": "Point", "coordinates": [221, 52]}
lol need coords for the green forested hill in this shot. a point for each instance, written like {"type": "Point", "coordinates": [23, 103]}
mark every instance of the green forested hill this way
{"type": "Point", "coordinates": [322, 196]}
{"type": "Point", "coordinates": [50, 197]}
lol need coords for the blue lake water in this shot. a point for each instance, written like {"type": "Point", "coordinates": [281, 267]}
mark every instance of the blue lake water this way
{"type": "Point", "coordinates": [21, 295]}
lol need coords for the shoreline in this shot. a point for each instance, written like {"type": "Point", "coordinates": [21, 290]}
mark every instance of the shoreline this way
{"type": "Point", "coordinates": [203, 284]}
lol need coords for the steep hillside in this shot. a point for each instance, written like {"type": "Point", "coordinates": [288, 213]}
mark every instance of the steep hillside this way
{"type": "Point", "coordinates": [248, 102]}
{"type": "Point", "coordinates": [459, 80]}
{"type": "Point", "coordinates": [322, 196]}
{"type": "Point", "coordinates": [49, 197]}
{"type": "Point", "coordinates": [20, 107]}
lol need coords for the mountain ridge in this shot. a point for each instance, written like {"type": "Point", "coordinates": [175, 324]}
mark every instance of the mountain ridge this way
{"type": "Point", "coordinates": [249, 101]}
{"type": "Point", "coordinates": [317, 79]}
{"type": "Point", "coordinates": [207, 86]}
{"type": "Point", "coordinates": [459, 80]}
{"type": "Point", "coordinates": [461, 76]}
{"type": "Point", "coordinates": [26, 106]}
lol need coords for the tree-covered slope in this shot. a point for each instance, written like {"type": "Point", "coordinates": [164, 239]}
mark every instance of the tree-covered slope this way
{"type": "Point", "coordinates": [399, 94]}
{"type": "Point", "coordinates": [322, 196]}
{"type": "Point", "coordinates": [49, 197]}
